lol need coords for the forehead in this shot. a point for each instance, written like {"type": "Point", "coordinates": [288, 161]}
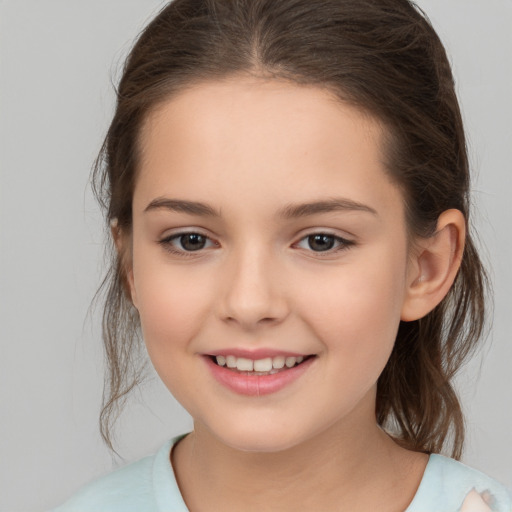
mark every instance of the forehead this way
{"type": "Point", "coordinates": [258, 137]}
{"type": "Point", "coordinates": [255, 109]}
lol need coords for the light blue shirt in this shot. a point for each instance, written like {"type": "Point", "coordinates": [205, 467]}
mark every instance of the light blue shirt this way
{"type": "Point", "coordinates": [149, 485]}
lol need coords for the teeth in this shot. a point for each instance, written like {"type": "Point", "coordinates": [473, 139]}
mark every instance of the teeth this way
{"type": "Point", "coordinates": [278, 362]}
{"type": "Point", "coordinates": [244, 365]}
{"type": "Point", "coordinates": [290, 361]}
{"type": "Point", "coordinates": [269, 364]}
{"type": "Point", "coordinates": [263, 365]}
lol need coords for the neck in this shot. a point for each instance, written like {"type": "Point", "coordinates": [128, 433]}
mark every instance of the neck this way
{"type": "Point", "coordinates": [342, 468]}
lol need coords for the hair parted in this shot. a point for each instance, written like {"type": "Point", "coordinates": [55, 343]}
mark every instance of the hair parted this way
{"type": "Point", "coordinates": [382, 56]}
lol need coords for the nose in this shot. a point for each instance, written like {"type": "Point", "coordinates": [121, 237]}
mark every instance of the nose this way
{"type": "Point", "coordinates": [254, 293]}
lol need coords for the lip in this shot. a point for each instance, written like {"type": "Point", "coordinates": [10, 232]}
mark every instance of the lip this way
{"type": "Point", "coordinates": [260, 353]}
{"type": "Point", "coordinates": [256, 385]}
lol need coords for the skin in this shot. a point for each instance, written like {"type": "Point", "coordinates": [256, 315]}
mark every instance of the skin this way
{"type": "Point", "coordinates": [249, 148]}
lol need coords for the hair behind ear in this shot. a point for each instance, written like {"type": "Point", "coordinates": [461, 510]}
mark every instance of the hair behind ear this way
{"type": "Point", "coordinates": [416, 401]}
{"type": "Point", "coordinates": [125, 354]}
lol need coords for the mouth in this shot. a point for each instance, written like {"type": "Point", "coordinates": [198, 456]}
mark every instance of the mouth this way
{"type": "Point", "coordinates": [259, 375]}
{"type": "Point", "coordinates": [259, 367]}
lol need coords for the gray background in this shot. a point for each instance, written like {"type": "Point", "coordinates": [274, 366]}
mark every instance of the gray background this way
{"type": "Point", "coordinates": [56, 61]}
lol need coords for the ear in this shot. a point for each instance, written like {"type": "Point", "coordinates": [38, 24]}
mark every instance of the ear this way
{"type": "Point", "coordinates": [122, 242]}
{"type": "Point", "coordinates": [434, 266]}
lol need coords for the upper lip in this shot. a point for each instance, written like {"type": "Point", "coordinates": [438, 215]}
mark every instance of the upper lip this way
{"type": "Point", "coordinates": [254, 354]}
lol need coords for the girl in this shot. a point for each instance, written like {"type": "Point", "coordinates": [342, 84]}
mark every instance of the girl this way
{"type": "Point", "coordinates": [287, 188]}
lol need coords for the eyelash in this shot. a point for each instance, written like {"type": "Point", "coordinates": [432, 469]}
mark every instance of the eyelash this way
{"type": "Point", "coordinates": [343, 243]}
{"type": "Point", "coordinates": [166, 243]}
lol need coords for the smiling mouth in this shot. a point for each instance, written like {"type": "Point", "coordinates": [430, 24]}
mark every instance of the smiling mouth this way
{"type": "Point", "coordinates": [259, 367]}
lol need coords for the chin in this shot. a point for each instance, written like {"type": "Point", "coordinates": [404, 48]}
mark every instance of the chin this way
{"type": "Point", "coordinates": [258, 438]}
{"type": "Point", "coordinates": [259, 445]}
{"type": "Point", "coordinates": [263, 445]}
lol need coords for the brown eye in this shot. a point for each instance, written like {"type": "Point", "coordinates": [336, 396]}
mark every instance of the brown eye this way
{"type": "Point", "coordinates": [321, 242]}
{"type": "Point", "coordinates": [186, 243]}
{"type": "Point", "coordinates": [324, 242]}
{"type": "Point", "coordinates": [192, 241]}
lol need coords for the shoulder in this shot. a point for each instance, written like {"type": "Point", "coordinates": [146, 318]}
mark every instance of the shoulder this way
{"type": "Point", "coordinates": [127, 489]}
{"type": "Point", "coordinates": [449, 485]}
{"type": "Point", "coordinates": [139, 486]}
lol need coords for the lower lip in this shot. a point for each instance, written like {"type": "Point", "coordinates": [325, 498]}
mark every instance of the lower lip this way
{"type": "Point", "coordinates": [256, 385]}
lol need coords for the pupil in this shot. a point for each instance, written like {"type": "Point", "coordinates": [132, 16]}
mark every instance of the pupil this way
{"type": "Point", "coordinates": [193, 242]}
{"type": "Point", "coordinates": [321, 242]}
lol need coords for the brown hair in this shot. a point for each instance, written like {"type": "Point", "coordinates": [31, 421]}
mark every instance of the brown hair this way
{"type": "Point", "coordinates": [382, 56]}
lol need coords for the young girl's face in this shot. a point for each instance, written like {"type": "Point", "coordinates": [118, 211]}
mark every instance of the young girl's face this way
{"type": "Point", "coordinates": [264, 228]}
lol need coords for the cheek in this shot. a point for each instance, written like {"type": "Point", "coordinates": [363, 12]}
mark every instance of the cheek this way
{"type": "Point", "coordinates": [172, 312]}
{"type": "Point", "coordinates": [172, 305]}
{"type": "Point", "coordinates": [356, 312]}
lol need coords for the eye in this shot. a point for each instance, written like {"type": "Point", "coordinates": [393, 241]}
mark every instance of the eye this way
{"type": "Point", "coordinates": [324, 242]}
{"type": "Point", "coordinates": [183, 243]}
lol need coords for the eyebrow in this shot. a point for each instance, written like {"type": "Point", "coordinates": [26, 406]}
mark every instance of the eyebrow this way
{"type": "Point", "coordinates": [291, 211]}
{"type": "Point", "coordinates": [180, 205]}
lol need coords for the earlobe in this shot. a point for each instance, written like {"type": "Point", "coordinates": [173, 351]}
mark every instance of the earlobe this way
{"type": "Point", "coordinates": [121, 243]}
{"type": "Point", "coordinates": [435, 266]}
{"type": "Point", "coordinates": [115, 231]}
{"type": "Point", "coordinates": [130, 286]}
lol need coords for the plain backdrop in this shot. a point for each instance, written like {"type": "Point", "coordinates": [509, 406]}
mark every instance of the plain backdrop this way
{"type": "Point", "coordinates": [57, 60]}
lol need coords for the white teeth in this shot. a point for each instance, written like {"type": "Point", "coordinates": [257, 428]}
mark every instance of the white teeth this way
{"type": "Point", "coordinates": [244, 365]}
{"type": "Point", "coordinates": [290, 361]}
{"type": "Point", "coordinates": [263, 365]}
{"type": "Point", "coordinates": [278, 362]}
{"type": "Point", "coordinates": [269, 364]}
